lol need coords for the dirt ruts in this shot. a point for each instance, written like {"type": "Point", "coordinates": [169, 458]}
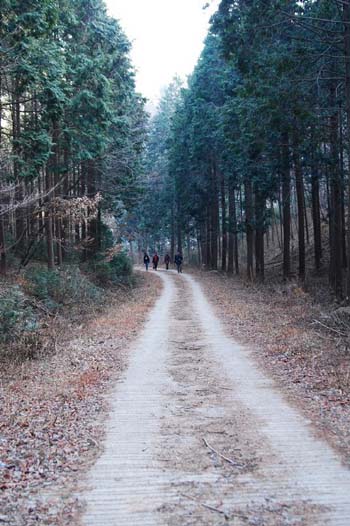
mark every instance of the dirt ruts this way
{"type": "Point", "coordinates": [199, 436]}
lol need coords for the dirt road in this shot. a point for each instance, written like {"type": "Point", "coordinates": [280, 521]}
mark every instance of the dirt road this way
{"type": "Point", "coordinates": [199, 436]}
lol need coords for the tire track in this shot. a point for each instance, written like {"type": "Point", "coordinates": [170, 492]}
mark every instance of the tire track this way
{"type": "Point", "coordinates": [199, 436]}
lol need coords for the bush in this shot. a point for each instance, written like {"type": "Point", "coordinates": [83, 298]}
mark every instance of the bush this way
{"type": "Point", "coordinates": [16, 315]}
{"type": "Point", "coordinates": [121, 265]}
{"type": "Point", "coordinates": [114, 270]}
{"type": "Point", "coordinates": [62, 287]}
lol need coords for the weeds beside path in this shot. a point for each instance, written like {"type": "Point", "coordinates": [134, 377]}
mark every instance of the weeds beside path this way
{"type": "Point", "coordinates": [310, 363]}
{"type": "Point", "coordinates": [52, 409]}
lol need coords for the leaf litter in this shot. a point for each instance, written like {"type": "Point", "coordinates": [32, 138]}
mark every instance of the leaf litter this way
{"type": "Point", "coordinates": [53, 409]}
{"type": "Point", "coordinates": [302, 343]}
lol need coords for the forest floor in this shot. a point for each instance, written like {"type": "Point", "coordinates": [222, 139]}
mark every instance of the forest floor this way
{"type": "Point", "coordinates": [199, 435]}
{"type": "Point", "coordinates": [299, 339]}
{"type": "Point", "coordinates": [53, 407]}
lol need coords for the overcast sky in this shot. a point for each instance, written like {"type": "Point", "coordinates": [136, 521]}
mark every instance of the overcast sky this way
{"type": "Point", "coordinates": [167, 37]}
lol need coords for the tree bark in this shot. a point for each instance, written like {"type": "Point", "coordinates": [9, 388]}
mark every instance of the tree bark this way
{"type": "Point", "coordinates": [335, 211]}
{"type": "Point", "coordinates": [172, 236]}
{"type": "Point", "coordinates": [208, 238]}
{"type": "Point", "coordinates": [286, 200]}
{"type": "Point", "coordinates": [346, 19]}
{"type": "Point", "coordinates": [249, 226]}
{"type": "Point", "coordinates": [224, 224]}
{"type": "Point", "coordinates": [49, 227]}
{"type": "Point", "coordinates": [231, 229]}
{"type": "Point", "coordinates": [259, 234]}
{"type": "Point", "coordinates": [316, 217]}
{"type": "Point", "coordinates": [2, 219]}
{"type": "Point", "coordinates": [214, 218]}
{"type": "Point", "coordinates": [299, 184]}
{"type": "Point", "coordinates": [16, 132]}
{"type": "Point", "coordinates": [179, 237]}
{"type": "Point", "coordinates": [2, 245]}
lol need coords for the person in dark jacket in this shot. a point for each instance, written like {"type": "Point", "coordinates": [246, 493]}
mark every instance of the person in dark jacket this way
{"type": "Point", "coordinates": [155, 261]}
{"type": "Point", "coordinates": [178, 262]}
{"type": "Point", "coordinates": [167, 261]}
{"type": "Point", "coordinates": [146, 260]}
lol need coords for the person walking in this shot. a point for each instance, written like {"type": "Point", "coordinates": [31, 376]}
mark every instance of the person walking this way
{"type": "Point", "coordinates": [178, 262]}
{"type": "Point", "coordinates": [155, 261]}
{"type": "Point", "coordinates": [167, 261]}
{"type": "Point", "coordinates": [146, 260]}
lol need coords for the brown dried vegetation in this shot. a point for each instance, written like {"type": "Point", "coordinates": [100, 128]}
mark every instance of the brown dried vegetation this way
{"type": "Point", "coordinates": [52, 408]}
{"type": "Point", "coordinates": [304, 345]}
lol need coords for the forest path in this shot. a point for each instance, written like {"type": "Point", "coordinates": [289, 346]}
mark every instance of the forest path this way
{"type": "Point", "coordinates": [199, 436]}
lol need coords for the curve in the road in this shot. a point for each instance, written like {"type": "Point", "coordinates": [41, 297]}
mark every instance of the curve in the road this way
{"type": "Point", "coordinates": [198, 435]}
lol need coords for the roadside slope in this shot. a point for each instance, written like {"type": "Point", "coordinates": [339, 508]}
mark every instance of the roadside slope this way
{"type": "Point", "coordinates": [53, 410]}
{"type": "Point", "coordinates": [310, 363]}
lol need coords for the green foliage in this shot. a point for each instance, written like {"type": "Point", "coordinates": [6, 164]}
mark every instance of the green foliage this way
{"type": "Point", "coordinates": [121, 265]}
{"type": "Point", "coordinates": [64, 287]}
{"type": "Point", "coordinates": [114, 271]}
{"type": "Point", "coordinates": [69, 105]}
{"type": "Point", "coordinates": [16, 315]}
{"type": "Point", "coordinates": [106, 237]}
{"type": "Point", "coordinates": [159, 196]}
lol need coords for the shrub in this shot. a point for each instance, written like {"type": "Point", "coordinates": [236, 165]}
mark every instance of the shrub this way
{"type": "Point", "coordinates": [121, 265]}
{"type": "Point", "coordinates": [16, 315]}
{"type": "Point", "coordinates": [65, 286]}
{"type": "Point", "coordinates": [116, 269]}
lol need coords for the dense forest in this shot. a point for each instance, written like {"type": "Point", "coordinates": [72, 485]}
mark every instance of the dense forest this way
{"type": "Point", "coordinates": [71, 130]}
{"type": "Point", "coordinates": [253, 156]}
{"type": "Point", "coordinates": [245, 167]}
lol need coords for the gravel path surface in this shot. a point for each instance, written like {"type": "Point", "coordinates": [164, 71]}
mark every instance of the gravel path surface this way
{"type": "Point", "coordinates": [199, 436]}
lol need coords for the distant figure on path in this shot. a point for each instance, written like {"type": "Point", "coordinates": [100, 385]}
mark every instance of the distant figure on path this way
{"type": "Point", "coordinates": [146, 260]}
{"type": "Point", "coordinates": [167, 261]}
{"type": "Point", "coordinates": [155, 261]}
{"type": "Point", "coordinates": [178, 262]}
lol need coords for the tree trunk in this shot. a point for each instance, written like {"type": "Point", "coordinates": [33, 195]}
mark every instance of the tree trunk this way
{"type": "Point", "coordinates": [259, 234]}
{"type": "Point", "coordinates": [199, 247]}
{"type": "Point", "coordinates": [49, 241]}
{"type": "Point", "coordinates": [179, 237]}
{"type": "Point", "coordinates": [342, 176]}
{"type": "Point", "coordinates": [346, 19]}
{"type": "Point", "coordinates": [299, 184]}
{"type": "Point", "coordinates": [248, 191]}
{"type": "Point", "coordinates": [2, 245]}
{"type": "Point", "coordinates": [224, 224]}
{"type": "Point", "coordinates": [231, 229]}
{"type": "Point", "coordinates": [203, 239]}
{"type": "Point", "coordinates": [49, 227]}
{"type": "Point", "coordinates": [316, 217]}
{"type": "Point", "coordinates": [172, 239]}
{"type": "Point", "coordinates": [286, 200]}
{"type": "Point", "coordinates": [214, 219]}
{"type": "Point", "coordinates": [335, 212]}
{"type": "Point", "coordinates": [2, 219]}
{"type": "Point", "coordinates": [16, 132]}
{"type": "Point", "coordinates": [208, 237]}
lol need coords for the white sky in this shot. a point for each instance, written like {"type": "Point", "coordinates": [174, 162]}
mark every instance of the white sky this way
{"type": "Point", "coordinates": [167, 37]}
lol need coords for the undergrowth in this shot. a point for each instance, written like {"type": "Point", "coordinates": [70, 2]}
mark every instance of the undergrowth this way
{"type": "Point", "coordinates": [30, 300]}
{"type": "Point", "coordinates": [62, 287]}
{"type": "Point", "coordinates": [16, 315]}
{"type": "Point", "coordinates": [115, 269]}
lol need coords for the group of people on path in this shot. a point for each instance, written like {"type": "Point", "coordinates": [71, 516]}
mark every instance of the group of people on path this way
{"type": "Point", "coordinates": [178, 259]}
